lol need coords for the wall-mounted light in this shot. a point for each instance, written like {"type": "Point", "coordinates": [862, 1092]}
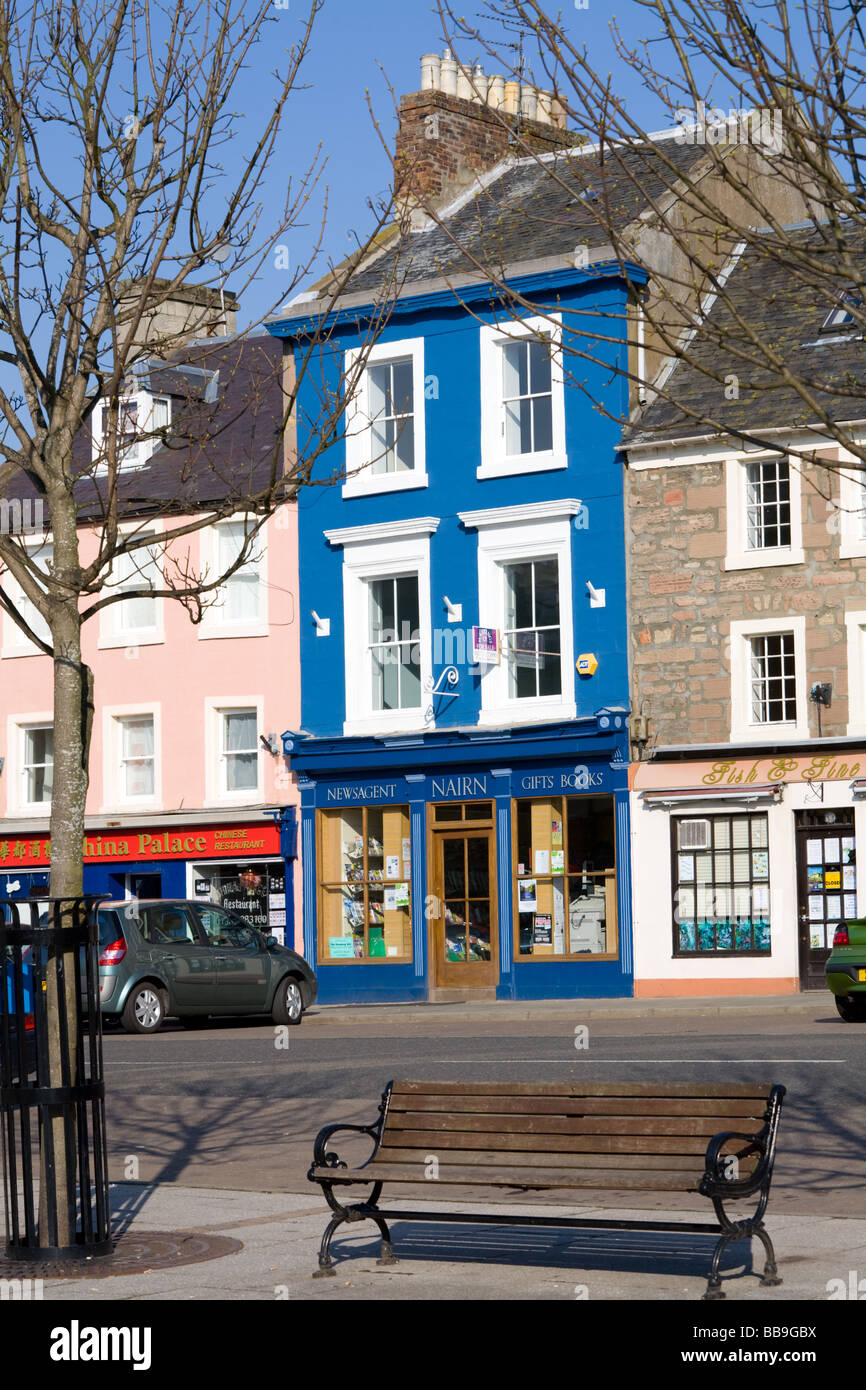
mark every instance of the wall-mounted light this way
{"type": "Point", "coordinates": [821, 695]}
{"type": "Point", "coordinates": [597, 597]}
{"type": "Point", "coordinates": [323, 625]}
{"type": "Point", "coordinates": [270, 744]}
{"type": "Point", "coordinates": [453, 611]}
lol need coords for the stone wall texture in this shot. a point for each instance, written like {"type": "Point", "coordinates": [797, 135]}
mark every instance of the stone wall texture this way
{"type": "Point", "coordinates": [682, 600]}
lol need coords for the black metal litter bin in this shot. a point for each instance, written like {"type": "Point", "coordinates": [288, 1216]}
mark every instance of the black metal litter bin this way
{"type": "Point", "coordinates": [52, 1091]}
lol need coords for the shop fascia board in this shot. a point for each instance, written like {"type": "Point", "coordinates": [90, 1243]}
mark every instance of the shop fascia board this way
{"type": "Point", "coordinates": [432, 753]}
{"type": "Point", "coordinates": [702, 752]}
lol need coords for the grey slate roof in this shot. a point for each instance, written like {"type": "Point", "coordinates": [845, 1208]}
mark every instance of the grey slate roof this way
{"type": "Point", "coordinates": [532, 210]}
{"type": "Point", "coordinates": [787, 312]}
{"type": "Point", "coordinates": [226, 421]}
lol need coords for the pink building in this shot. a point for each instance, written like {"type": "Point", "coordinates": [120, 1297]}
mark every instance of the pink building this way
{"type": "Point", "coordinates": [190, 795]}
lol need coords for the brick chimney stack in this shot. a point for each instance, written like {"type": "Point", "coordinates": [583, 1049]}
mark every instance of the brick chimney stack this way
{"type": "Point", "coordinates": [462, 123]}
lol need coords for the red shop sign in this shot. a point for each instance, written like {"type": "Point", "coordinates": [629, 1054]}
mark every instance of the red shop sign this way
{"type": "Point", "coordinates": [181, 842]}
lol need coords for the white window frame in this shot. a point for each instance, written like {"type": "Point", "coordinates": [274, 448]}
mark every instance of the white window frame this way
{"type": "Point", "coordinates": [112, 733]}
{"type": "Point", "coordinates": [112, 633]}
{"type": "Point", "coordinates": [361, 481]}
{"type": "Point", "coordinates": [15, 644]}
{"type": "Point", "coordinates": [852, 504]}
{"type": "Point", "coordinates": [144, 401]}
{"type": "Point", "coordinates": [508, 539]}
{"type": "Point", "coordinates": [212, 625]}
{"type": "Point", "coordinates": [365, 560]}
{"type": "Point", "coordinates": [495, 463]}
{"type": "Point", "coordinates": [743, 730]}
{"type": "Point", "coordinates": [739, 556]}
{"type": "Point", "coordinates": [17, 728]}
{"type": "Point", "coordinates": [215, 708]}
{"type": "Point", "coordinates": [855, 624]}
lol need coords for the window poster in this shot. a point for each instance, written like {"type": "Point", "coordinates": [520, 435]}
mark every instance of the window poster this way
{"type": "Point", "coordinates": [392, 866]}
{"type": "Point", "coordinates": [542, 861]}
{"type": "Point", "coordinates": [813, 852]}
{"type": "Point", "coordinates": [816, 939]}
{"type": "Point", "coordinates": [391, 899]}
{"type": "Point", "coordinates": [527, 897]}
{"type": "Point", "coordinates": [848, 849]}
{"type": "Point", "coordinates": [815, 878]}
{"type": "Point", "coordinates": [760, 863]}
{"type": "Point", "coordinates": [556, 833]}
{"type": "Point", "coordinates": [761, 899]}
{"type": "Point", "coordinates": [559, 917]}
{"type": "Point", "coordinates": [542, 932]}
{"type": "Point", "coordinates": [557, 861]}
{"type": "Point", "coordinates": [834, 907]}
{"type": "Point", "coordinates": [685, 868]}
{"type": "Point", "coordinates": [849, 877]}
{"type": "Point", "coordinates": [401, 894]}
{"type": "Point", "coordinates": [340, 947]}
{"type": "Point", "coordinates": [850, 904]}
{"type": "Point", "coordinates": [832, 881]}
{"type": "Point", "coordinates": [831, 852]}
{"type": "Point", "coordinates": [816, 909]}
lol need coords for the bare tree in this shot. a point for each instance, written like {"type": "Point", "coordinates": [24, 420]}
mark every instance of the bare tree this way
{"type": "Point", "coordinates": [115, 119]}
{"type": "Point", "coordinates": [763, 168]}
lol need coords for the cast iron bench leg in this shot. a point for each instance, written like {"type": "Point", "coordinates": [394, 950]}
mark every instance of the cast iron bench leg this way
{"type": "Point", "coordinates": [326, 1264]}
{"type": "Point", "coordinates": [387, 1256]}
{"type": "Point", "coordinates": [770, 1278]}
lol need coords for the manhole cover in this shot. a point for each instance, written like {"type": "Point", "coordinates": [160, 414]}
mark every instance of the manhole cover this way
{"type": "Point", "coordinates": [134, 1253]}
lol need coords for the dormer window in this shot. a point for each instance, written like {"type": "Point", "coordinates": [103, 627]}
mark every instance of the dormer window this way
{"type": "Point", "coordinates": [139, 416]}
{"type": "Point", "coordinates": [846, 313]}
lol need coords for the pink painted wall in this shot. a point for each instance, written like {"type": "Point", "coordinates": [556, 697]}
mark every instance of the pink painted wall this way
{"type": "Point", "coordinates": [180, 674]}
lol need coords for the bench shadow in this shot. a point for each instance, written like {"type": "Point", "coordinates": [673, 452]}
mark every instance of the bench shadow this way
{"type": "Point", "coordinates": [648, 1252]}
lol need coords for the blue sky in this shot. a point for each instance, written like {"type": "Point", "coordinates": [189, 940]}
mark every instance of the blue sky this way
{"type": "Point", "coordinates": [362, 46]}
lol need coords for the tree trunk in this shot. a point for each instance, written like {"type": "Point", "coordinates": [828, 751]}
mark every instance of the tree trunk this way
{"type": "Point", "coordinates": [73, 721]}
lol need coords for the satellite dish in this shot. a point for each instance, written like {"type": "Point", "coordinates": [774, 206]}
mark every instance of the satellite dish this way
{"type": "Point", "coordinates": [220, 253]}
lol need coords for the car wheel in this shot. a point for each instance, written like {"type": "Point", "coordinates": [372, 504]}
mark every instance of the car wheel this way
{"type": "Point", "coordinates": [288, 1002]}
{"type": "Point", "coordinates": [194, 1020]}
{"type": "Point", "coordinates": [144, 1010]}
{"type": "Point", "coordinates": [852, 1010]}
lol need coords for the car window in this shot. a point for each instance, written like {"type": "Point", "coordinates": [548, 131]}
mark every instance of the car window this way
{"type": "Point", "coordinates": [109, 930]}
{"type": "Point", "coordinates": [165, 924]}
{"type": "Point", "coordinates": [223, 930]}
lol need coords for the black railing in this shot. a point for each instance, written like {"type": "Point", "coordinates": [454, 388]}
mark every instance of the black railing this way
{"type": "Point", "coordinates": [52, 1092]}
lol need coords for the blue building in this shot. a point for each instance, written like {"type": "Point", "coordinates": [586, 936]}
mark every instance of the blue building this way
{"type": "Point", "coordinates": [463, 755]}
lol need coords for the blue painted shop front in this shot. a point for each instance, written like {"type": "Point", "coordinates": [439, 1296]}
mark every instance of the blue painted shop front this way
{"type": "Point", "coordinates": [464, 860]}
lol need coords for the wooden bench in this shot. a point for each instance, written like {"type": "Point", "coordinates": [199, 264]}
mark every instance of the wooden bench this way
{"type": "Point", "coordinates": [717, 1141]}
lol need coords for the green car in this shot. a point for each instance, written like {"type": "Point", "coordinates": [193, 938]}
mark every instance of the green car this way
{"type": "Point", "coordinates": [194, 960]}
{"type": "Point", "coordinates": [846, 970]}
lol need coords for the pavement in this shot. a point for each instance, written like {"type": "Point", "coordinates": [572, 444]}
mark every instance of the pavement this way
{"type": "Point", "coordinates": [508, 1010]}
{"type": "Point", "coordinates": [280, 1234]}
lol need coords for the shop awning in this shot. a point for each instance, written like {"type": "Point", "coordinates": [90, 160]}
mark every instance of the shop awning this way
{"type": "Point", "coordinates": [763, 793]}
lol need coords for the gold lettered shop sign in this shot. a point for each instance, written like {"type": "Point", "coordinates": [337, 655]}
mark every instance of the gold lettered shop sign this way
{"type": "Point", "coordinates": [749, 772]}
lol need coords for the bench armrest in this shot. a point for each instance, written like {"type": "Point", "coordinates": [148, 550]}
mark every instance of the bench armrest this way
{"type": "Point", "coordinates": [714, 1183]}
{"type": "Point", "coordinates": [323, 1159]}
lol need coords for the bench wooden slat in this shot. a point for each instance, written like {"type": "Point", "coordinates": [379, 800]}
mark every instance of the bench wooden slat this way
{"type": "Point", "coordinates": [434, 1140]}
{"type": "Point", "coordinates": [732, 1090]}
{"type": "Point", "coordinates": [559, 1124]}
{"type": "Point", "coordinates": [587, 1105]}
{"type": "Point", "coordinates": [505, 1158]}
{"type": "Point", "coordinates": [519, 1177]}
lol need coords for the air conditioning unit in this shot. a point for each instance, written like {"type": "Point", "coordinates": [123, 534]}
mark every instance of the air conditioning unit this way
{"type": "Point", "coordinates": [694, 834]}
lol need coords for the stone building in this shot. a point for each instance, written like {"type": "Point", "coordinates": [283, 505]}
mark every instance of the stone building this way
{"type": "Point", "coordinates": [747, 612]}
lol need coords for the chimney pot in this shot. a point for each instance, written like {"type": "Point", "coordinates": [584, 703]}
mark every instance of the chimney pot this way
{"type": "Point", "coordinates": [542, 109]}
{"type": "Point", "coordinates": [430, 72]}
{"type": "Point", "coordinates": [496, 92]}
{"type": "Point", "coordinates": [448, 75]}
{"type": "Point", "coordinates": [528, 103]}
{"type": "Point", "coordinates": [512, 97]}
{"type": "Point", "coordinates": [464, 84]}
{"type": "Point", "coordinates": [480, 82]}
